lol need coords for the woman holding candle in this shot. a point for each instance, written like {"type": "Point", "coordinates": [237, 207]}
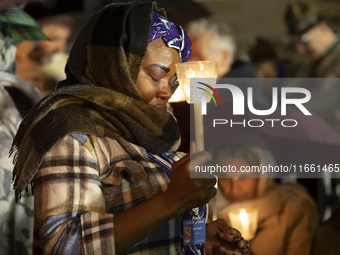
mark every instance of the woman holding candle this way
{"type": "Point", "coordinates": [99, 151]}
{"type": "Point", "coordinates": [287, 215]}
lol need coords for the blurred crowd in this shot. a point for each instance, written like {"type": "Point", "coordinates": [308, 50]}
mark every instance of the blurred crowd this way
{"type": "Point", "coordinates": [292, 215]}
{"type": "Point", "coordinates": [290, 210]}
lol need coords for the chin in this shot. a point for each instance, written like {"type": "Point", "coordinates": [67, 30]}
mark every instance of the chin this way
{"type": "Point", "coordinates": [313, 57]}
{"type": "Point", "coordinates": [237, 199]}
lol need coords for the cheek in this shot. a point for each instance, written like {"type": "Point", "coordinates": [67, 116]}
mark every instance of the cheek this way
{"type": "Point", "coordinates": [300, 48]}
{"type": "Point", "coordinates": [224, 185]}
{"type": "Point", "coordinates": [47, 47]}
{"type": "Point", "coordinates": [259, 73]}
{"type": "Point", "coordinates": [149, 96]}
{"type": "Point", "coordinates": [196, 55]}
{"type": "Point", "coordinates": [146, 89]}
{"type": "Point", "coordinates": [250, 189]}
{"type": "Point", "coordinates": [312, 45]}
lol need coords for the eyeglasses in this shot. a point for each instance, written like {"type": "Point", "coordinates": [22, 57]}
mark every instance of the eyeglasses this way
{"type": "Point", "coordinates": [304, 39]}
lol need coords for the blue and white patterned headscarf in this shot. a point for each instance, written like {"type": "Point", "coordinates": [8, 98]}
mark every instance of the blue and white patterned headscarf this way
{"type": "Point", "coordinates": [174, 35]}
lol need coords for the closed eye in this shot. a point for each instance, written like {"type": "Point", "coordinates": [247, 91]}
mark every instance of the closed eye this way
{"type": "Point", "coordinates": [156, 80]}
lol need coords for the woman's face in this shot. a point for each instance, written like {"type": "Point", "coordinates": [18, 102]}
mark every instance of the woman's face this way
{"type": "Point", "coordinates": [157, 77]}
{"type": "Point", "coordinates": [237, 189]}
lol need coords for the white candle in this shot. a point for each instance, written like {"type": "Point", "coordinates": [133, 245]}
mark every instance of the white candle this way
{"type": "Point", "coordinates": [190, 73]}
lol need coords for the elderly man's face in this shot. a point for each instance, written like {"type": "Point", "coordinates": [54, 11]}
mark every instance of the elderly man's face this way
{"type": "Point", "coordinates": [58, 35]}
{"type": "Point", "coordinates": [312, 42]}
{"type": "Point", "coordinates": [204, 50]}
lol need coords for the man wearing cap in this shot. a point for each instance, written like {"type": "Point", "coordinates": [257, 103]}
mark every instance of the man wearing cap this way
{"type": "Point", "coordinates": [34, 58]}
{"type": "Point", "coordinates": [315, 38]}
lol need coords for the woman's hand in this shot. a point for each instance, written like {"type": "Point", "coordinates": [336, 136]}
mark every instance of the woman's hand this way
{"type": "Point", "coordinates": [223, 239]}
{"type": "Point", "coordinates": [185, 192]}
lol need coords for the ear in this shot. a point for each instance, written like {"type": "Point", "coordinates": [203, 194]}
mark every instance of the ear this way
{"type": "Point", "coordinates": [225, 55]}
{"type": "Point", "coordinates": [224, 63]}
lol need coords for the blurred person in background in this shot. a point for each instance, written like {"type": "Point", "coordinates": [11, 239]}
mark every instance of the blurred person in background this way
{"type": "Point", "coordinates": [314, 37]}
{"type": "Point", "coordinates": [17, 97]}
{"type": "Point", "coordinates": [33, 57]}
{"type": "Point", "coordinates": [212, 41]}
{"type": "Point", "coordinates": [287, 215]}
{"type": "Point", "coordinates": [215, 41]}
{"type": "Point", "coordinates": [264, 60]}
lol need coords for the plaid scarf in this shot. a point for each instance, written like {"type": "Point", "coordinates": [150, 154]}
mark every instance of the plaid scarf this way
{"type": "Point", "coordinates": [99, 96]}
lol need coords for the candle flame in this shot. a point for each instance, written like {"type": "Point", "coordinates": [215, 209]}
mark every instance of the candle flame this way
{"type": "Point", "coordinates": [178, 96]}
{"type": "Point", "coordinates": [244, 217]}
{"type": "Point", "coordinates": [190, 73]}
{"type": "Point", "coordinates": [201, 67]}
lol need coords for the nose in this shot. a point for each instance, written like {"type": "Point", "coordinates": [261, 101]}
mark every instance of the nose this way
{"type": "Point", "coordinates": [164, 92]}
{"type": "Point", "coordinates": [61, 46]}
{"type": "Point", "coordinates": [300, 48]}
{"type": "Point", "coordinates": [234, 187]}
